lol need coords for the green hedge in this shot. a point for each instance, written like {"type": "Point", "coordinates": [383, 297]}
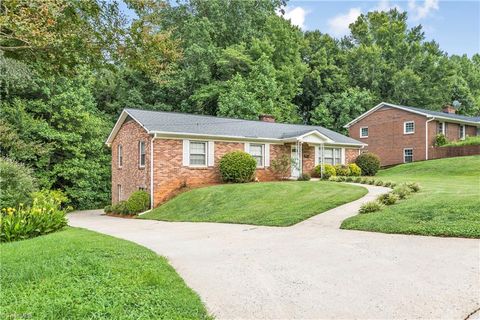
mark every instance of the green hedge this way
{"type": "Point", "coordinates": [139, 201]}
{"type": "Point", "coordinates": [369, 163]}
{"type": "Point", "coordinates": [237, 167]}
{"type": "Point", "coordinates": [16, 184]}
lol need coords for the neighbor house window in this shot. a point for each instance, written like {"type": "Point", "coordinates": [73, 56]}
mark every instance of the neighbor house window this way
{"type": "Point", "coordinates": [120, 155]}
{"type": "Point", "coordinates": [440, 128]}
{"type": "Point", "coordinates": [198, 153]}
{"type": "Point", "coordinates": [257, 152]}
{"type": "Point", "coordinates": [364, 132]}
{"type": "Point", "coordinates": [119, 192]}
{"type": "Point", "coordinates": [331, 156]}
{"type": "Point", "coordinates": [462, 132]}
{"type": "Point", "coordinates": [407, 155]}
{"type": "Point", "coordinates": [141, 152]}
{"type": "Point", "coordinates": [408, 127]}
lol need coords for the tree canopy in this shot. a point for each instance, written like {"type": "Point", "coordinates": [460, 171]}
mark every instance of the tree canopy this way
{"type": "Point", "coordinates": [68, 68]}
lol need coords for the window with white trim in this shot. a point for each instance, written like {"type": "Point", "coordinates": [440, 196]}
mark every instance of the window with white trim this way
{"type": "Point", "coordinates": [141, 154]}
{"type": "Point", "coordinates": [331, 156]}
{"type": "Point", "coordinates": [119, 192]}
{"type": "Point", "coordinates": [440, 128]}
{"type": "Point", "coordinates": [462, 132]}
{"type": "Point", "coordinates": [407, 155]}
{"type": "Point", "coordinates": [409, 127]}
{"type": "Point", "coordinates": [364, 132]}
{"type": "Point", "coordinates": [120, 155]}
{"type": "Point", "coordinates": [258, 152]}
{"type": "Point", "coordinates": [198, 153]}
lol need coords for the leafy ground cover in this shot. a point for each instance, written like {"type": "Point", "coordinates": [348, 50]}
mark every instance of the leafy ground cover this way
{"type": "Point", "coordinates": [268, 203]}
{"type": "Point", "coordinates": [447, 205]}
{"type": "Point", "coordinates": [79, 274]}
{"type": "Point", "coordinates": [468, 141]}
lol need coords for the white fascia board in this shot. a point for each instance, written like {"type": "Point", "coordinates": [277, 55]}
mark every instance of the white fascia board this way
{"type": "Point", "coordinates": [118, 125]}
{"type": "Point", "coordinates": [314, 132]}
{"type": "Point", "coordinates": [182, 135]}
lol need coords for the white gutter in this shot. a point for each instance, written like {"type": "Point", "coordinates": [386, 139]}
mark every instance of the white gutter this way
{"type": "Point", "coordinates": [151, 172]}
{"type": "Point", "coordinates": [426, 137]}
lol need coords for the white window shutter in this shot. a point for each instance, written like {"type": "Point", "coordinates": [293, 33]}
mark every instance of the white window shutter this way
{"type": "Point", "coordinates": [186, 152]}
{"type": "Point", "coordinates": [211, 153]}
{"type": "Point", "coordinates": [247, 147]}
{"type": "Point", "coordinates": [316, 155]}
{"type": "Point", "coordinates": [267, 154]}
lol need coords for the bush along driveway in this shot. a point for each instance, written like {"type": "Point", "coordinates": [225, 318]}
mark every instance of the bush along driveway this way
{"type": "Point", "coordinates": [312, 269]}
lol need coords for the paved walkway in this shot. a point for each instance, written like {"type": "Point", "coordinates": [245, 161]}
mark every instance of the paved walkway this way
{"type": "Point", "coordinates": [313, 269]}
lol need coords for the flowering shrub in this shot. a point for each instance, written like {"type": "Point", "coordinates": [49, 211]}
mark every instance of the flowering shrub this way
{"type": "Point", "coordinates": [42, 217]}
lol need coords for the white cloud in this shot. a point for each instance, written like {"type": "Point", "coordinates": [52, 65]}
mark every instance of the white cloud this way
{"type": "Point", "coordinates": [422, 11]}
{"type": "Point", "coordinates": [385, 5]}
{"type": "Point", "coordinates": [296, 15]}
{"type": "Point", "coordinates": [338, 25]}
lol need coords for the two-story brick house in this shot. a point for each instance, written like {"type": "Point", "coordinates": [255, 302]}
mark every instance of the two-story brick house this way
{"type": "Point", "coordinates": [161, 152]}
{"type": "Point", "coordinates": [399, 134]}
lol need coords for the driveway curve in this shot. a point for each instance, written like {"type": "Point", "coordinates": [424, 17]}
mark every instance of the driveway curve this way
{"type": "Point", "coordinates": [312, 270]}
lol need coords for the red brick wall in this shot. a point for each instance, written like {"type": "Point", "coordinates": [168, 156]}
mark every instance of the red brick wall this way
{"type": "Point", "coordinates": [351, 155]}
{"type": "Point", "coordinates": [470, 131]}
{"type": "Point", "coordinates": [386, 137]}
{"type": "Point", "coordinates": [458, 151]}
{"type": "Point", "coordinates": [130, 175]}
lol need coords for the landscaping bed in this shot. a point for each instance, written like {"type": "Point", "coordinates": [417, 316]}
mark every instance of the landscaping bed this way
{"type": "Point", "coordinates": [79, 274]}
{"type": "Point", "coordinates": [268, 203]}
{"type": "Point", "coordinates": [446, 205]}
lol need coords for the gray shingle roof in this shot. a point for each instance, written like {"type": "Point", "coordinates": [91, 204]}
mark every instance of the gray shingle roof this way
{"type": "Point", "coordinates": [209, 125]}
{"type": "Point", "coordinates": [443, 114]}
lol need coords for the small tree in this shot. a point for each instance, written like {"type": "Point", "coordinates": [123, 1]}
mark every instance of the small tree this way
{"type": "Point", "coordinates": [281, 166]}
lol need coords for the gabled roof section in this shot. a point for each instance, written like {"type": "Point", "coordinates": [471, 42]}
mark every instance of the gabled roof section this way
{"type": "Point", "coordinates": [424, 112]}
{"type": "Point", "coordinates": [181, 124]}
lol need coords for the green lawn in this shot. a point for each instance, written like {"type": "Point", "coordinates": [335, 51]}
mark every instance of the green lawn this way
{"type": "Point", "coordinates": [448, 205]}
{"type": "Point", "coordinates": [79, 274]}
{"type": "Point", "coordinates": [268, 203]}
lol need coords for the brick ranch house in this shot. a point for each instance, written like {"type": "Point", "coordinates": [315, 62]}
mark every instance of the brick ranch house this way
{"type": "Point", "coordinates": [162, 152]}
{"type": "Point", "coordinates": [399, 134]}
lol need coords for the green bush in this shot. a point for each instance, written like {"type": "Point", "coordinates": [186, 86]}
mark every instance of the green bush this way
{"type": "Point", "coordinates": [379, 183]}
{"type": "Point", "coordinates": [139, 201]}
{"type": "Point", "coordinates": [328, 171]}
{"type": "Point", "coordinates": [371, 181]}
{"type": "Point", "coordinates": [371, 206]}
{"type": "Point", "coordinates": [42, 217]}
{"type": "Point", "coordinates": [354, 170]}
{"type": "Point", "coordinates": [414, 187]}
{"type": "Point", "coordinates": [388, 198]}
{"type": "Point", "coordinates": [440, 140]}
{"type": "Point", "coordinates": [121, 208]}
{"type": "Point", "coordinates": [402, 191]}
{"type": "Point", "coordinates": [16, 184]}
{"type": "Point", "coordinates": [349, 179]}
{"type": "Point", "coordinates": [468, 141]}
{"type": "Point", "coordinates": [342, 170]}
{"type": "Point", "coordinates": [237, 167]}
{"type": "Point", "coordinates": [364, 180]}
{"type": "Point", "coordinates": [108, 209]}
{"type": "Point", "coordinates": [387, 184]}
{"type": "Point", "coordinates": [341, 178]}
{"type": "Point", "coordinates": [357, 179]}
{"type": "Point", "coordinates": [304, 177]}
{"type": "Point", "coordinates": [369, 163]}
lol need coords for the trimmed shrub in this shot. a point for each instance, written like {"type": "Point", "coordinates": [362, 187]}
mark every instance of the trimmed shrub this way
{"type": "Point", "coordinates": [348, 179]}
{"type": "Point", "coordinates": [16, 184]}
{"type": "Point", "coordinates": [357, 179]}
{"type": "Point", "coordinates": [371, 181]}
{"type": "Point", "coordinates": [388, 198]}
{"type": "Point", "coordinates": [371, 206]}
{"type": "Point", "coordinates": [379, 183]}
{"type": "Point", "coordinates": [341, 178]}
{"type": "Point", "coordinates": [402, 191]}
{"type": "Point", "coordinates": [387, 184]}
{"type": "Point", "coordinates": [440, 140]}
{"type": "Point", "coordinates": [369, 163]}
{"type": "Point", "coordinates": [138, 201]}
{"type": "Point", "coordinates": [42, 217]}
{"type": "Point", "coordinates": [364, 180]}
{"type": "Point", "coordinates": [120, 208]}
{"type": "Point", "coordinates": [341, 170]}
{"type": "Point", "coordinates": [328, 171]}
{"type": "Point", "coordinates": [304, 177]}
{"type": "Point", "coordinates": [414, 187]}
{"type": "Point", "coordinates": [237, 167]}
{"type": "Point", "coordinates": [354, 170]}
{"type": "Point", "coordinates": [333, 178]}
{"type": "Point", "coordinates": [108, 209]}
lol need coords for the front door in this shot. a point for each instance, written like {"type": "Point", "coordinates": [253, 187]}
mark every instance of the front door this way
{"type": "Point", "coordinates": [295, 165]}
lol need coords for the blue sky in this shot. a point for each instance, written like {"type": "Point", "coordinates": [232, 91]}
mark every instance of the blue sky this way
{"type": "Point", "coordinates": [455, 25]}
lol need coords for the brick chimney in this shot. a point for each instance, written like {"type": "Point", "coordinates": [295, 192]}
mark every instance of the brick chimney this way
{"type": "Point", "coordinates": [449, 109]}
{"type": "Point", "coordinates": [266, 118]}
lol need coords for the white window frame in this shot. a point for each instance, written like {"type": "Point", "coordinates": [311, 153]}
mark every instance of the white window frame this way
{"type": "Point", "coordinates": [443, 128]}
{"type": "Point", "coordinates": [190, 153]}
{"type": "Point", "coordinates": [120, 156]}
{"type": "Point", "coordinates": [462, 132]}
{"type": "Point", "coordinates": [405, 127]}
{"type": "Point", "coordinates": [404, 156]}
{"type": "Point", "coordinates": [262, 153]}
{"type": "Point", "coordinates": [140, 144]}
{"type": "Point", "coordinates": [334, 158]}
{"type": "Point", "coordinates": [361, 133]}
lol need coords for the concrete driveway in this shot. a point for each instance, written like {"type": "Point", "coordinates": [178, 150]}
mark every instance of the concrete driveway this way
{"type": "Point", "coordinates": [313, 269]}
